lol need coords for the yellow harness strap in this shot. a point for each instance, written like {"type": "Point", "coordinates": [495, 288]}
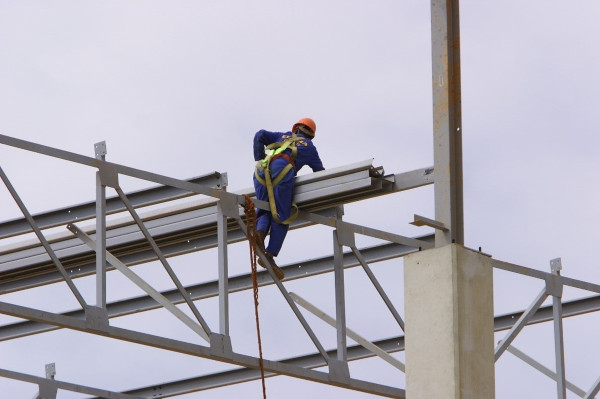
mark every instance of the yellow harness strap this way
{"type": "Point", "coordinates": [276, 149]}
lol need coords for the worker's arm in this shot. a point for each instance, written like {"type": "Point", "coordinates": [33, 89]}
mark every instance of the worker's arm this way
{"type": "Point", "coordinates": [315, 161]}
{"type": "Point", "coordinates": [263, 138]}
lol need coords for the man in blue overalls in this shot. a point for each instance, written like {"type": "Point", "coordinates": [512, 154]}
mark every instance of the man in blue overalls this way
{"type": "Point", "coordinates": [275, 177]}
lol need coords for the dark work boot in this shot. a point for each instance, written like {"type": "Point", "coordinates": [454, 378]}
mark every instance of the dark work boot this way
{"type": "Point", "coordinates": [276, 268]}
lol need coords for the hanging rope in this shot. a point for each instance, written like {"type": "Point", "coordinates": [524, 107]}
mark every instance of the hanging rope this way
{"type": "Point", "coordinates": [250, 212]}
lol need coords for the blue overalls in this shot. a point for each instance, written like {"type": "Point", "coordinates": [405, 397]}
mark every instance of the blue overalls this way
{"type": "Point", "coordinates": [284, 191]}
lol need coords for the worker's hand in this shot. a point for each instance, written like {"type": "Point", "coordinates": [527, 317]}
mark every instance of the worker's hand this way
{"type": "Point", "coordinates": [259, 166]}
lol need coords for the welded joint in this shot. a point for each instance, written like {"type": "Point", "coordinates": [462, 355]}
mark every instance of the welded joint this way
{"type": "Point", "coordinates": [423, 221]}
{"type": "Point", "coordinates": [345, 236]}
{"type": "Point", "coordinates": [220, 345]}
{"type": "Point", "coordinates": [47, 390]}
{"type": "Point", "coordinates": [228, 204]}
{"type": "Point", "coordinates": [339, 371]}
{"type": "Point", "coordinates": [96, 318]}
{"type": "Point", "coordinates": [108, 174]}
{"type": "Point", "coordinates": [554, 285]}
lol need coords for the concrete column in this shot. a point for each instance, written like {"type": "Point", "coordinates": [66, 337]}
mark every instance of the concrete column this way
{"type": "Point", "coordinates": [449, 324]}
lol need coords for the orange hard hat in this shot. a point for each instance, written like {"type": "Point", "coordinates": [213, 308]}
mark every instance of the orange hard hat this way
{"type": "Point", "coordinates": [306, 122]}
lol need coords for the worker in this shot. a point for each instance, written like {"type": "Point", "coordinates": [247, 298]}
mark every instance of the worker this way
{"type": "Point", "coordinates": [274, 180]}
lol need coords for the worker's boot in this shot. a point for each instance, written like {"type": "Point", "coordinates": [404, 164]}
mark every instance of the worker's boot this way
{"type": "Point", "coordinates": [276, 268]}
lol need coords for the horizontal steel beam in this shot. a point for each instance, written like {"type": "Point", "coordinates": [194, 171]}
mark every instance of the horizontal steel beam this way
{"type": "Point", "coordinates": [192, 227]}
{"type": "Point", "coordinates": [108, 167]}
{"type": "Point", "coordinates": [86, 211]}
{"type": "Point", "coordinates": [67, 386]}
{"type": "Point", "coordinates": [208, 290]}
{"type": "Point", "coordinates": [391, 345]}
{"type": "Point", "coordinates": [546, 276]}
{"type": "Point", "coordinates": [191, 349]}
{"type": "Point", "coordinates": [240, 375]}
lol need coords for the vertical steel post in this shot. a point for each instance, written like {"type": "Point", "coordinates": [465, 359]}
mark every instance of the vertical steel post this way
{"type": "Point", "coordinates": [223, 271]}
{"type": "Point", "coordinates": [340, 303]}
{"type": "Point", "coordinates": [559, 351]}
{"type": "Point", "coordinates": [447, 121]}
{"type": "Point", "coordinates": [100, 151]}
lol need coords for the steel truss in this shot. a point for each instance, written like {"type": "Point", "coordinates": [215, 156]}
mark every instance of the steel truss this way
{"type": "Point", "coordinates": [217, 222]}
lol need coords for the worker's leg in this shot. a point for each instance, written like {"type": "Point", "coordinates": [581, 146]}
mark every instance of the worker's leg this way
{"type": "Point", "coordinates": [263, 218]}
{"type": "Point", "coordinates": [284, 195]}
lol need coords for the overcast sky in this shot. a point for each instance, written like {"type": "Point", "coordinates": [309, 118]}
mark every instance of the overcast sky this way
{"type": "Point", "coordinates": [180, 87]}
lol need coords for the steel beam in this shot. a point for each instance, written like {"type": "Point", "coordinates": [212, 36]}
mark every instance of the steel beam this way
{"type": "Point", "coordinates": [294, 271]}
{"type": "Point", "coordinates": [67, 386]}
{"type": "Point", "coordinates": [86, 211]}
{"type": "Point", "coordinates": [197, 350]}
{"type": "Point", "coordinates": [180, 225]}
{"type": "Point", "coordinates": [447, 121]}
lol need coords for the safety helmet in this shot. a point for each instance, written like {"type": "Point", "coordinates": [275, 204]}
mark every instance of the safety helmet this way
{"type": "Point", "coordinates": [308, 123]}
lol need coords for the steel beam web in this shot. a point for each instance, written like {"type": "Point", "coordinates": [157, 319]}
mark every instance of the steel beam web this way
{"type": "Point", "coordinates": [289, 300]}
{"type": "Point", "coordinates": [137, 280]}
{"type": "Point", "coordinates": [42, 239]}
{"type": "Point", "coordinates": [196, 350]}
{"type": "Point", "coordinates": [378, 287]}
{"type": "Point", "coordinates": [163, 260]}
{"type": "Point", "coordinates": [522, 322]}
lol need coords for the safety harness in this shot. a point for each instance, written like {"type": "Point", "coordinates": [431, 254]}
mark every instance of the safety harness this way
{"type": "Point", "coordinates": [275, 151]}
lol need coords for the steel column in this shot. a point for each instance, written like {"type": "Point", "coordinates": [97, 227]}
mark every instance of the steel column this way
{"type": "Point", "coordinates": [100, 149]}
{"type": "Point", "coordinates": [447, 123]}
{"type": "Point", "coordinates": [223, 271]}
{"type": "Point", "coordinates": [555, 287]}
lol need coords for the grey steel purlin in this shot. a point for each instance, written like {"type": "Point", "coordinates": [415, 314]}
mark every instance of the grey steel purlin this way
{"type": "Point", "coordinates": [447, 121]}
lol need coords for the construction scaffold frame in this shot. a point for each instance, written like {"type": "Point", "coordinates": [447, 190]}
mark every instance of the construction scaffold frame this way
{"type": "Point", "coordinates": [218, 222]}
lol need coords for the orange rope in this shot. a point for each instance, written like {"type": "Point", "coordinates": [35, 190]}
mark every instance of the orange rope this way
{"type": "Point", "coordinates": [250, 212]}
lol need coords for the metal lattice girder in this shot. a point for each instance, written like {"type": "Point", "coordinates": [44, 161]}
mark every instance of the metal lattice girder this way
{"type": "Point", "coordinates": [192, 227]}
{"type": "Point", "coordinates": [85, 211]}
{"type": "Point", "coordinates": [240, 375]}
{"type": "Point", "coordinates": [191, 349]}
{"type": "Point", "coordinates": [391, 345]}
{"type": "Point", "coordinates": [197, 292]}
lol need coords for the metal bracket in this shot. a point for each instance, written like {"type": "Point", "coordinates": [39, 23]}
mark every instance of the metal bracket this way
{"type": "Point", "coordinates": [50, 370]}
{"type": "Point", "coordinates": [556, 265]}
{"type": "Point", "coordinates": [423, 221]}
{"type": "Point", "coordinates": [100, 150]}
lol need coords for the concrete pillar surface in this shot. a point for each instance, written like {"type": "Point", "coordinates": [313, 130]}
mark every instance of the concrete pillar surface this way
{"type": "Point", "coordinates": [449, 324]}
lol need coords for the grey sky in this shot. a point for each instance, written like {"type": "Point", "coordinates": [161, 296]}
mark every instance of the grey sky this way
{"type": "Point", "coordinates": [179, 88]}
